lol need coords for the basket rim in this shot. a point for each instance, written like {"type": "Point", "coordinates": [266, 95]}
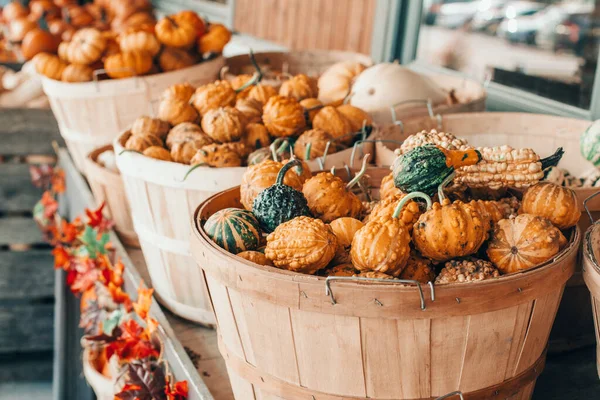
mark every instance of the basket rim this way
{"type": "Point", "coordinates": [588, 251]}
{"type": "Point", "coordinates": [92, 160]}
{"type": "Point", "coordinates": [200, 235]}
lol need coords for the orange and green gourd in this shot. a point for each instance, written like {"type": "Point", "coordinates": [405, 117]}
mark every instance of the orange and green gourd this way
{"type": "Point", "coordinates": [234, 229]}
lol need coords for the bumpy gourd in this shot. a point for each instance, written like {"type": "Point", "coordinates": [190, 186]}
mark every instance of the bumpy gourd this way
{"type": "Point", "coordinates": [385, 209]}
{"type": "Point", "coordinates": [311, 108]}
{"type": "Point", "coordinates": [176, 111]}
{"type": "Point", "coordinates": [299, 87]}
{"type": "Point", "coordinates": [283, 116]}
{"type": "Point", "coordinates": [556, 203]}
{"type": "Point", "coordinates": [262, 93]}
{"type": "Point", "coordinates": [157, 152]}
{"type": "Point", "coordinates": [302, 244]}
{"type": "Point", "coordinates": [233, 229]}
{"type": "Point", "coordinates": [213, 95]}
{"type": "Point", "coordinates": [279, 203]}
{"type": "Point", "coordinates": [496, 210]}
{"type": "Point", "coordinates": [330, 120]}
{"type": "Point", "coordinates": [344, 229]}
{"type": "Point", "coordinates": [216, 155]}
{"type": "Point", "coordinates": [185, 140]}
{"type": "Point", "coordinates": [250, 108]}
{"type": "Point", "coordinates": [224, 124]}
{"type": "Point", "coordinates": [256, 136]}
{"type": "Point", "coordinates": [382, 245]}
{"type": "Point", "coordinates": [142, 142]}
{"type": "Point", "coordinates": [523, 242]}
{"type": "Point", "coordinates": [329, 197]}
{"type": "Point", "coordinates": [418, 269]}
{"type": "Point", "coordinates": [150, 126]}
{"type": "Point", "coordinates": [318, 140]}
{"type": "Point", "coordinates": [442, 139]}
{"type": "Point", "coordinates": [255, 257]}
{"type": "Point", "coordinates": [355, 116]}
{"type": "Point", "coordinates": [424, 168]}
{"type": "Point", "coordinates": [387, 187]}
{"type": "Point", "coordinates": [260, 176]}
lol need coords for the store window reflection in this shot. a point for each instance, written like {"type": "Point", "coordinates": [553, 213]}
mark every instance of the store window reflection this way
{"type": "Point", "coordinates": [548, 47]}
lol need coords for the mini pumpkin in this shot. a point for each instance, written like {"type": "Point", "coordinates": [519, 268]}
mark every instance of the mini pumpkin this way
{"type": "Point", "coordinates": [382, 245]}
{"type": "Point", "coordinates": [172, 59]}
{"type": "Point", "coordinates": [303, 245]}
{"type": "Point", "coordinates": [176, 111]}
{"type": "Point", "coordinates": [388, 188]}
{"type": "Point", "coordinates": [214, 40]}
{"type": "Point", "coordinates": [158, 152]}
{"type": "Point", "coordinates": [260, 176]}
{"type": "Point", "coordinates": [336, 82]}
{"type": "Point", "coordinates": [233, 229]}
{"type": "Point", "coordinates": [262, 93]}
{"type": "Point", "coordinates": [19, 27]}
{"type": "Point", "coordinates": [418, 269]}
{"type": "Point", "coordinates": [13, 10]}
{"type": "Point", "coordinates": [150, 126]}
{"type": "Point", "coordinates": [252, 109]}
{"type": "Point", "coordinates": [344, 229]}
{"type": "Point", "coordinates": [524, 242]}
{"type": "Point", "coordinates": [330, 120]}
{"type": "Point", "coordinates": [240, 84]}
{"type": "Point", "coordinates": [175, 32]}
{"type": "Point", "coordinates": [49, 65]}
{"type": "Point", "coordinates": [557, 203]}
{"type": "Point", "coordinates": [180, 91]}
{"type": "Point", "coordinates": [311, 108]}
{"type": "Point", "coordinates": [299, 87]}
{"type": "Point", "coordinates": [279, 203]}
{"type": "Point", "coordinates": [255, 257]}
{"type": "Point", "coordinates": [384, 210]}
{"type": "Point", "coordinates": [126, 65]}
{"type": "Point", "coordinates": [283, 116]}
{"type": "Point", "coordinates": [357, 117]}
{"type": "Point", "coordinates": [317, 139]}
{"type": "Point", "coordinates": [256, 136]}
{"type": "Point", "coordinates": [329, 197]}
{"type": "Point", "coordinates": [87, 47]}
{"type": "Point", "coordinates": [225, 124]}
{"type": "Point", "coordinates": [213, 95]}
{"type": "Point", "coordinates": [139, 40]}
{"type": "Point", "coordinates": [77, 73]}
{"type": "Point", "coordinates": [216, 155]}
{"type": "Point", "coordinates": [39, 40]}
{"type": "Point", "coordinates": [77, 16]}
{"type": "Point", "coordinates": [184, 143]}
{"type": "Point", "coordinates": [142, 142]}
{"type": "Point", "coordinates": [190, 17]}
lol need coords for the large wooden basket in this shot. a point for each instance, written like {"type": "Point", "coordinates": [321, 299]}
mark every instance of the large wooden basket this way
{"type": "Point", "coordinates": [544, 134]}
{"type": "Point", "coordinates": [161, 205]}
{"type": "Point", "coordinates": [107, 186]}
{"type": "Point", "coordinates": [103, 387]}
{"type": "Point", "coordinates": [283, 335]}
{"type": "Point", "coordinates": [591, 275]}
{"type": "Point", "coordinates": [92, 114]}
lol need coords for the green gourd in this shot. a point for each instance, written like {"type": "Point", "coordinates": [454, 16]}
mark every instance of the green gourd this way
{"type": "Point", "coordinates": [424, 168]}
{"type": "Point", "coordinates": [234, 229]}
{"type": "Point", "coordinates": [280, 203]}
{"type": "Point", "coordinates": [589, 143]}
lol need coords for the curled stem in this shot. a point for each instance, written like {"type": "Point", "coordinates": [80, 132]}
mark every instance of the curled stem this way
{"type": "Point", "coordinates": [307, 152]}
{"type": "Point", "coordinates": [407, 198]}
{"type": "Point", "coordinates": [129, 151]}
{"type": "Point", "coordinates": [445, 182]}
{"type": "Point", "coordinates": [285, 168]}
{"type": "Point", "coordinates": [360, 173]}
{"type": "Point", "coordinates": [193, 168]}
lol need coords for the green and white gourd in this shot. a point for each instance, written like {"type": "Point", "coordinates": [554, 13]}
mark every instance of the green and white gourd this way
{"type": "Point", "coordinates": [589, 143]}
{"type": "Point", "coordinates": [234, 229]}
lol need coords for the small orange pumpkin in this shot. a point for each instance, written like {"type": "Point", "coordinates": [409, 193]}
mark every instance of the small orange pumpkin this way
{"type": "Point", "coordinates": [299, 87]}
{"type": "Point", "coordinates": [139, 40]}
{"type": "Point", "coordinates": [318, 140]}
{"type": "Point", "coordinates": [176, 111]}
{"type": "Point", "coordinates": [49, 65]}
{"type": "Point", "coordinates": [252, 109]}
{"type": "Point", "coordinates": [13, 10]}
{"type": "Point", "coordinates": [179, 91]}
{"type": "Point", "coordinates": [158, 152]}
{"type": "Point", "coordinates": [190, 17]}
{"type": "Point", "coordinates": [77, 73]}
{"type": "Point", "coordinates": [142, 142]}
{"type": "Point", "coordinates": [176, 32]}
{"type": "Point", "coordinates": [185, 140]}
{"type": "Point", "coordinates": [19, 27]}
{"type": "Point", "coordinates": [214, 40]}
{"type": "Point", "coordinates": [262, 93]}
{"type": "Point", "coordinates": [172, 59]}
{"type": "Point", "coordinates": [126, 65]}
{"type": "Point", "coordinates": [217, 156]}
{"type": "Point", "coordinates": [225, 124]}
{"type": "Point", "coordinates": [145, 125]}
{"type": "Point", "coordinates": [39, 40]}
{"type": "Point", "coordinates": [357, 117]}
{"type": "Point", "coordinates": [311, 108]}
{"type": "Point", "coordinates": [336, 82]}
{"type": "Point", "coordinates": [78, 16]}
{"type": "Point", "coordinates": [557, 203]}
{"type": "Point", "coordinates": [213, 95]}
{"type": "Point", "coordinates": [87, 46]}
{"type": "Point", "coordinates": [256, 136]}
{"type": "Point", "coordinates": [283, 116]}
{"type": "Point", "coordinates": [335, 123]}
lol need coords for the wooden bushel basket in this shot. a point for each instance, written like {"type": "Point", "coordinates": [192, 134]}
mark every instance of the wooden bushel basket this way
{"type": "Point", "coordinates": [283, 335]}
{"type": "Point", "coordinates": [544, 134]}
{"type": "Point", "coordinates": [107, 186]}
{"type": "Point", "coordinates": [161, 205]}
{"type": "Point", "coordinates": [92, 114]}
{"type": "Point", "coordinates": [591, 275]}
{"type": "Point", "coordinates": [103, 387]}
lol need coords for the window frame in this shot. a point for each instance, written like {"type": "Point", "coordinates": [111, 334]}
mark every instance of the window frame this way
{"type": "Point", "coordinates": [500, 97]}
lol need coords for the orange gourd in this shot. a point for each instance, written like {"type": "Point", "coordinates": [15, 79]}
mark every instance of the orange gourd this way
{"type": "Point", "coordinates": [172, 59]}
{"type": "Point", "coordinates": [214, 40]}
{"type": "Point", "coordinates": [49, 65]}
{"type": "Point", "coordinates": [87, 46]}
{"type": "Point", "coordinates": [176, 32]}
{"type": "Point", "coordinates": [126, 65]}
{"type": "Point", "coordinates": [299, 87]}
{"type": "Point", "coordinates": [77, 73]}
{"type": "Point", "coordinates": [225, 124]}
{"type": "Point", "coordinates": [283, 116]}
{"type": "Point", "coordinates": [557, 203]}
{"type": "Point", "coordinates": [213, 95]}
{"type": "Point", "coordinates": [139, 40]}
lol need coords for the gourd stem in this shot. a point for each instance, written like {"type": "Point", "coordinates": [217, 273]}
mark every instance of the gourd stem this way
{"type": "Point", "coordinates": [445, 182]}
{"type": "Point", "coordinates": [129, 151]}
{"type": "Point", "coordinates": [251, 82]}
{"type": "Point", "coordinates": [256, 66]}
{"type": "Point", "coordinates": [193, 168]}
{"type": "Point", "coordinates": [281, 149]}
{"type": "Point", "coordinates": [307, 152]}
{"type": "Point", "coordinates": [273, 150]}
{"type": "Point", "coordinates": [285, 168]}
{"type": "Point", "coordinates": [333, 170]}
{"type": "Point", "coordinates": [461, 158]}
{"type": "Point", "coordinates": [407, 198]}
{"type": "Point", "coordinates": [360, 173]}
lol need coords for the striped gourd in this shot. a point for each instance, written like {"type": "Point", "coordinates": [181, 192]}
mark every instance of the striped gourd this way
{"type": "Point", "coordinates": [234, 229]}
{"type": "Point", "coordinates": [589, 143]}
{"type": "Point", "coordinates": [559, 204]}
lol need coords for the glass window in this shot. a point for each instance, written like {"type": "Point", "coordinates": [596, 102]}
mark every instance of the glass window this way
{"type": "Point", "coordinates": [548, 48]}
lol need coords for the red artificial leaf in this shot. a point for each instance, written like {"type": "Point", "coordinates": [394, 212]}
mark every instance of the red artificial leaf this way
{"type": "Point", "coordinates": [62, 258]}
{"type": "Point", "coordinates": [119, 296]}
{"type": "Point", "coordinates": [143, 302]}
{"type": "Point", "coordinates": [87, 275]}
{"type": "Point", "coordinates": [133, 344]}
{"type": "Point", "coordinates": [50, 205]}
{"type": "Point", "coordinates": [71, 276]}
{"type": "Point", "coordinates": [97, 220]}
{"type": "Point", "coordinates": [57, 181]}
{"type": "Point", "coordinates": [41, 175]}
{"type": "Point", "coordinates": [178, 391]}
{"type": "Point", "coordinates": [69, 231]}
{"type": "Point", "coordinates": [145, 381]}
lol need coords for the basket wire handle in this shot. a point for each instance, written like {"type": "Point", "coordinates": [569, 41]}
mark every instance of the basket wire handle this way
{"type": "Point", "coordinates": [360, 142]}
{"type": "Point", "coordinates": [329, 291]}
{"type": "Point", "coordinates": [428, 103]}
{"type": "Point", "coordinates": [447, 396]}
{"type": "Point", "coordinates": [321, 160]}
{"type": "Point", "coordinates": [589, 213]}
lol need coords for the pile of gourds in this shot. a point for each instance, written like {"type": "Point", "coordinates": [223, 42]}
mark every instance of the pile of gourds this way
{"type": "Point", "coordinates": [239, 122]}
{"type": "Point", "coordinates": [41, 25]}
{"type": "Point", "coordinates": [175, 42]}
{"type": "Point", "coordinates": [318, 225]}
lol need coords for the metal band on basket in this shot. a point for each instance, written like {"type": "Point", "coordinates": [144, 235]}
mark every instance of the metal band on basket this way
{"type": "Point", "coordinates": [276, 386]}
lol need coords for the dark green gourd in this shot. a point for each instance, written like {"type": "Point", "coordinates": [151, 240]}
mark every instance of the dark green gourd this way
{"type": "Point", "coordinates": [280, 203]}
{"type": "Point", "coordinates": [424, 168]}
{"type": "Point", "coordinates": [234, 229]}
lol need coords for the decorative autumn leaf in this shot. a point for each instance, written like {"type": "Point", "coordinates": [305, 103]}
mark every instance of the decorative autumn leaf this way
{"type": "Point", "coordinates": [97, 220]}
{"type": "Point", "coordinates": [41, 175]}
{"type": "Point", "coordinates": [145, 380]}
{"type": "Point", "coordinates": [92, 245]}
{"type": "Point", "coordinates": [62, 258]}
{"type": "Point", "coordinates": [177, 391]}
{"type": "Point", "coordinates": [45, 209]}
{"type": "Point", "coordinates": [143, 302]}
{"type": "Point", "coordinates": [112, 322]}
{"type": "Point", "coordinates": [57, 181]}
{"type": "Point", "coordinates": [69, 231]}
{"type": "Point", "coordinates": [133, 344]}
{"type": "Point", "coordinates": [87, 274]}
{"type": "Point", "coordinates": [119, 296]}
{"type": "Point", "coordinates": [117, 273]}
{"type": "Point", "coordinates": [92, 317]}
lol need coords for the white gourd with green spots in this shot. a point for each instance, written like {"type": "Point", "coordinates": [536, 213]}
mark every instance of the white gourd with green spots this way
{"type": "Point", "coordinates": [590, 143]}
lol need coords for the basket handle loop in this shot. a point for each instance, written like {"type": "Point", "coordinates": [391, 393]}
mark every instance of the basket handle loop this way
{"type": "Point", "coordinates": [360, 142]}
{"type": "Point", "coordinates": [321, 160]}
{"type": "Point", "coordinates": [589, 213]}
{"type": "Point", "coordinates": [427, 102]}
{"type": "Point", "coordinates": [329, 291]}
{"type": "Point", "coordinates": [447, 396]}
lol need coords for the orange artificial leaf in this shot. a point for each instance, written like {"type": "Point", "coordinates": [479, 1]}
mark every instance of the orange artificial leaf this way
{"type": "Point", "coordinates": [69, 231]}
{"type": "Point", "coordinates": [57, 181]}
{"type": "Point", "coordinates": [152, 325]}
{"type": "Point", "coordinates": [133, 344]}
{"type": "Point", "coordinates": [143, 302]}
{"type": "Point", "coordinates": [119, 296]}
{"type": "Point", "coordinates": [117, 273]}
{"type": "Point", "coordinates": [50, 204]}
{"type": "Point", "coordinates": [179, 391]}
{"type": "Point", "coordinates": [62, 258]}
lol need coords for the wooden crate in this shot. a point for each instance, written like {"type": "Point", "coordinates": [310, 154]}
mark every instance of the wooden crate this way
{"type": "Point", "coordinates": [26, 265]}
{"type": "Point", "coordinates": [282, 334]}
